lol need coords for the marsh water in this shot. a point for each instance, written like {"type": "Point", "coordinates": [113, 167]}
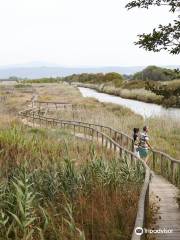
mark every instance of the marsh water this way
{"type": "Point", "coordinates": [142, 108]}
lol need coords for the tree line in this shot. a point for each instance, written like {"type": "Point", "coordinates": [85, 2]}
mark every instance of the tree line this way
{"type": "Point", "coordinates": [98, 78]}
{"type": "Point", "coordinates": [155, 73]}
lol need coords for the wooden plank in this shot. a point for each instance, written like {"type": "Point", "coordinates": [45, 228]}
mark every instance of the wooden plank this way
{"type": "Point", "coordinates": [168, 216]}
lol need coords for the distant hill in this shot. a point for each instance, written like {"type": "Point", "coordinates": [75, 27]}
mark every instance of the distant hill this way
{"type": "Point", "coordinates": [55, 71]}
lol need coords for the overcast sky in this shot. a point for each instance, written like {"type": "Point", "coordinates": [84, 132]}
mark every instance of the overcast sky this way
{"type": "Point", "coordinates": [77, 33]}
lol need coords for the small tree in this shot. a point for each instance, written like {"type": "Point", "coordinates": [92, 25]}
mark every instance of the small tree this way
{"type": "Point", "coordinates": [164, 37]}
{"type": "Point", "coordinates": [170, 93]}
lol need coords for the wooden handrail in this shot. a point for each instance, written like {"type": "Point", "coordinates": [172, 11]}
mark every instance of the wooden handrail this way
{"type": "Point", "coordinates": [163, 156]}
{"type": "Point", "coordinates": [103, 127]}
{"type": "Point", "coordinates": [118, 132]}
{"type": "Point", "coordinates": [166, 155]}
{"type": "Point", "coordinates": [173, 165]}
{"type": "Point", "coordinates": [49, 102]}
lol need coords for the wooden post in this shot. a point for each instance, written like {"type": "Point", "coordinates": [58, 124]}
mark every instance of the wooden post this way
{"type": "Point", "coordinates": [132, 149]}
{"type": "Point", "coordinates": [127, 142]}
{"type": "Point", "coordinates": [120, 152]}
{"type": "Point", "coordinates": [121, 140]}
{"type": "Point", "coordinates": [92, 134]}
{"type": "Point", "coordinates": [154, 160]}
{"type": "Point", "coordinates": [88, 132]}
{"type": "Point", "coordinates": [106, 143]}
{"type": "Point", "coordinates": [33, 118]}
{"type": "Point", "coordinates": [84, 132]}
{"type": "Point", "coordinates": [102, 140]}
{"type": "Point", "coordinates": [110, 145]}
{"type": "Point", "coordinates": [114, 148]}
{"type": "Point", "coordinates": [132, 145]}
{"type": "Point", "coordinates": [110, 132]}
{"type": "Point", "coordinates": [172, 171]}
{"type": "Point", "coordinates": [146, 210]}
{"type": "Point", "coordinates": [161, 164]}
{"type": "Point", "coordinates": [115, 136]}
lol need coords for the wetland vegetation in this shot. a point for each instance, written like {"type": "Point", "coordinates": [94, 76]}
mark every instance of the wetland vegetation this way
{"type": "Point", "coordinates": [54, 186]}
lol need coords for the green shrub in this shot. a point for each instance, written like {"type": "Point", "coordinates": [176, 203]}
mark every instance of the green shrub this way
{"type": "Point", "coordinates": [156, 74]}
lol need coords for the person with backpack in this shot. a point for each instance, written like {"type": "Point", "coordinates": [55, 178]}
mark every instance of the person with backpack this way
{"type": "Point", "coordinates": [144, 144]}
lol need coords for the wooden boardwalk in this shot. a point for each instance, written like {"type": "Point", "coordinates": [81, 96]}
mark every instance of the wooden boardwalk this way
{"type": "Point", "coordinates": [168, 215]}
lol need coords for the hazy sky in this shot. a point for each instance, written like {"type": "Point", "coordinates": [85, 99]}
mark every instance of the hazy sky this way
{"type": "Point", "coordinates": [77, 33]}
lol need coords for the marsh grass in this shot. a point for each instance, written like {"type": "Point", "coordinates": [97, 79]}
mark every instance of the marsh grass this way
{"type": "Point", "coordinates": [137, 92]}
{"type": "Point", "coordinates": [164, 132]}
{"type": "Point", "coordinates": [63, 189]}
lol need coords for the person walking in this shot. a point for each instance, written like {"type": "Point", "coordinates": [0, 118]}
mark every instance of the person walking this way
{"type": "Point", "coordinates": [136, 140]}
{"type": "Point", "coordinates": [144, 144]}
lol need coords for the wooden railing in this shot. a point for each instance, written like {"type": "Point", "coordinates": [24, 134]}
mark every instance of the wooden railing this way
{"type": "Point", "coordinates": [7, 90]}
{"type": "Point", "coordinates": [166, 166]}
{"type": "Point", "coordinates": [119, 136]}
{"type": "Point", "coordinates": [56, 105]}
{"type": "Point", "coordinates": [90, 132]}
{"type": "Point", "coordinates": [160, 162]}
{"type": "Point", "coordinates": [3, 98]}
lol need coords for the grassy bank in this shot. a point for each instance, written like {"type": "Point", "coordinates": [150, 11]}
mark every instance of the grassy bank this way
{"type": "Point", "coordinates": [139, 94]}
{"type": "Point", "coordinates": [55, 187]}
{"type": "Point", "coordinates": [165, 93]}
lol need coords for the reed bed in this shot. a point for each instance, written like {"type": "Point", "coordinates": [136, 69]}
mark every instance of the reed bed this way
{"type": "Point", "coordinates": [56, 187]}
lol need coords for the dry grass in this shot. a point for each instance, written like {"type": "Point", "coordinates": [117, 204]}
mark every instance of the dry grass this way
{"type": "Point", "coordinates": [164, 133]}
{"type": "Point", "coordinates": [136, 93]}
{"type": "Point", "coordinates": [175, 82]}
